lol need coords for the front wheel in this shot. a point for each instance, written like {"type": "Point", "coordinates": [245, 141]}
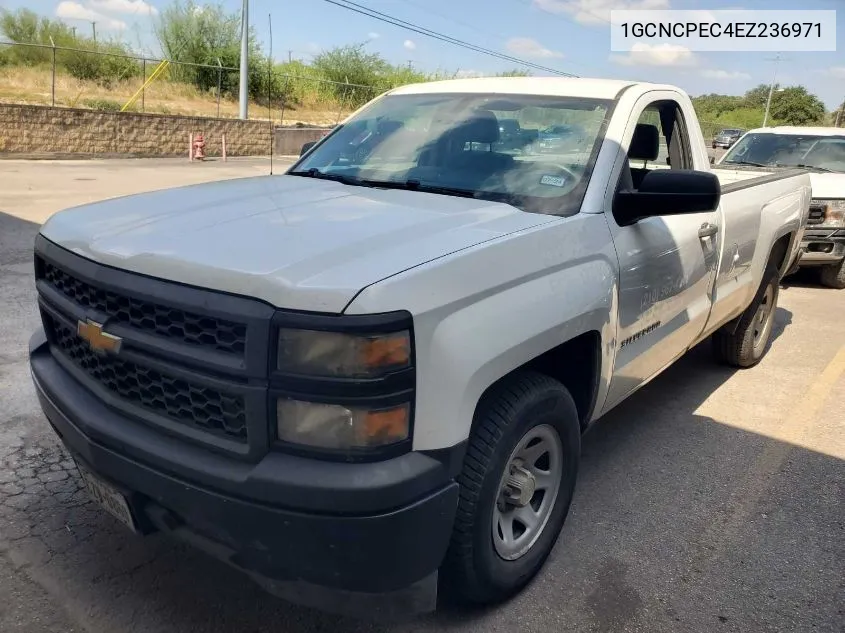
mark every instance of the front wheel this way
{"type": "Point", "coordinates": [516, 486]}
{"type": "Point", "coordinates": [833, 276]}
{"type": "Point", "coordinates": [749, 342]}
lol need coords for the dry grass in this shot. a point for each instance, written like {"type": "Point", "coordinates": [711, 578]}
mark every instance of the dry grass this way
{"type": "Point", "coordinates": [33, 86]}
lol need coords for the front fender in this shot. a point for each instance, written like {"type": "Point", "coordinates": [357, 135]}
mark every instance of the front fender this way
{"type": "Point", "coordinates": [486, 311]}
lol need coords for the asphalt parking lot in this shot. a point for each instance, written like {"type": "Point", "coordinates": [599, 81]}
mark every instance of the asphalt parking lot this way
{"type": "Point", "coordinates": [712, 500]}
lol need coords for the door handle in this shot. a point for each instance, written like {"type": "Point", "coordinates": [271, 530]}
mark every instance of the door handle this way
{"type": "Point", "coordinates": [707, 230]}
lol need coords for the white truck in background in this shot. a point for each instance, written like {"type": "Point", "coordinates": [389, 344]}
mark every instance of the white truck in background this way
{"type": "Point", "coordinates": [370, 375]}
{"type": "Point", "coordinates": [821, 151]}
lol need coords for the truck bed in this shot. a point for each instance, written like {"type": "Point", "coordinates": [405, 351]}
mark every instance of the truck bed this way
{"type": "Point", "coordinates": [735, 178]}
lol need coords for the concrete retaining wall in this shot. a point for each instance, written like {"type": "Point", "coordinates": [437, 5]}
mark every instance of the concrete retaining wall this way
{"type": "Point", "coordinates": [289, 140]}
{"type": "Point", "coordinates": [33, 130]}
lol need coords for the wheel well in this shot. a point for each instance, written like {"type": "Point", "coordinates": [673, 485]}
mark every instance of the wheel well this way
{"type": "Point", "coordinates": [779, 251]}
{"type": "Point", "coordinates": [576, 364]}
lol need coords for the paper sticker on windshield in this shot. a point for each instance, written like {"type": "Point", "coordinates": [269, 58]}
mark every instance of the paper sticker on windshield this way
{"type": "Point", "coordinates": [555, 181]}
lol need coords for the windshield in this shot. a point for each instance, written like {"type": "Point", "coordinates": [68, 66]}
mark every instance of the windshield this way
{"type": "Point", "coordinates": [826, 153]}
{"type": "Point", "coordinates": [454, 144]}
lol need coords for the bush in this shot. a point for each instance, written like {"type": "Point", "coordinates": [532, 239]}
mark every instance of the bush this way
{"type": "Point", "coordinates": [103, 105]}
{"type": "Point", "coordinates": [92, 65]}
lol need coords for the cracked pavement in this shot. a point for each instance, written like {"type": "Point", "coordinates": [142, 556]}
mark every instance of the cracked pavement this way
{"type": "Point", "coordinates": [711, 501]}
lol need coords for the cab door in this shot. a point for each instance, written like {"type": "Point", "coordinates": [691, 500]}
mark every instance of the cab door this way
{"type": "Point", "coordinates": [667, 264]}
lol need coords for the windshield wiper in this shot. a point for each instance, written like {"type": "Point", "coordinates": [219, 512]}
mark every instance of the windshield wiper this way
{"type": "Point", "coordinates": [746, 162]}
{"type": "Point", "coordinates": [416, 185]}
{"type": "Point", "coordinates": [346, 180]}
{"type": "Point", "coordinates": [817, 168]}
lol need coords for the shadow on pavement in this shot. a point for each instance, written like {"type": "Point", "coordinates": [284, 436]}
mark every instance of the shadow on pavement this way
{"type": "Point", "coordinates": [803, 278]}
{"type": "Point", "coordinates": [663, 534]}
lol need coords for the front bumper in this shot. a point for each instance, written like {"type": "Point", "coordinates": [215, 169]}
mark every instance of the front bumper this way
{"type": "Point", "coordinates": [822, 246]}
{"type": "Point", "coordinates": [359, 538]}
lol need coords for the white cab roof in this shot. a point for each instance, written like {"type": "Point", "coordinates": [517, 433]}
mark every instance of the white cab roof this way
{"type": "Point", "coordinates": [790, 130]}
{"type": "Point", "coordinates": [552, 86]}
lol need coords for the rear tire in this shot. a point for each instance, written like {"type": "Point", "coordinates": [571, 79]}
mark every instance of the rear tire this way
{"type": "Point", "coordinates": [833, 276]}
{"type": "Point", "coordinates": [750, 341]}
{"type": "Point", "coordinates": [526, 429]}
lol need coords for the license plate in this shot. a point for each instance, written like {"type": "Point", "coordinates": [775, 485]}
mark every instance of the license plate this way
{"type": "Point", "coordinates": [108, 497]}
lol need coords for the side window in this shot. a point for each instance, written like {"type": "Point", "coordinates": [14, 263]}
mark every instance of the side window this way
{"type": "Point", "coordinates": [660, 141]}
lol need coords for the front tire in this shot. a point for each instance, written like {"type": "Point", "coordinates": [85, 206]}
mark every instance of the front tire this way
{"type": "Point", "coordinates": [516, 484]}
{"type": "Point", "coordinates": [833, 276]}
{"type": "Point", "coordinates": [750, 341]}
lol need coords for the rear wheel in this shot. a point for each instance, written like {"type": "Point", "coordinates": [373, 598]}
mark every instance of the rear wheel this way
{"type": "Point", "coordinates": [833, 276]}
{"type": "Point", "coordinates": [516, 486]}
{"type": "Point", "coordinates": [749, 342]}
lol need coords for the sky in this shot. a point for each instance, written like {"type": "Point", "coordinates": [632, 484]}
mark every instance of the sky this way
{"type": "Point", "coordinates": [567, 35]}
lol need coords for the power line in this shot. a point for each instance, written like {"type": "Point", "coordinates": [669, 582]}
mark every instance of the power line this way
{"type": "Point", "coordinates": [383, 17]}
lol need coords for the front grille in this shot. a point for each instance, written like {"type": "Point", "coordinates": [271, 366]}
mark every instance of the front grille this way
{"type": "Point", "coordinates": [174, 398]}
{"type": "Point", "coordinates": [160, 320]}
{"type": "Point", "coordinates": [816, 214]}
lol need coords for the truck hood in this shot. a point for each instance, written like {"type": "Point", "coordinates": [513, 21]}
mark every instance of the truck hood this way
{"type": "Point", "coordinates": [827, 186]}
{"type": "Point", "coordinates": [294, 242]}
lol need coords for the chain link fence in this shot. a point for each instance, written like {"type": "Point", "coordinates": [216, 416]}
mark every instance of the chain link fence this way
{"type": "Point", "coordinates": [38, 74]}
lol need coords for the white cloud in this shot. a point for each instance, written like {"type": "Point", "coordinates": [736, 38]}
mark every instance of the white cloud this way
{"type": "Point", "coordinates": [372, 35]}
{"type": "Point", "coordinates": [527, 47]}
{"type": "Point", "coordinates": [658, 55]}
{"type": "Point", "coordinates": [712, 73]}
{"type": "Point", "coordinates": [131, 7]}
{"type": "Point", "coordinates": [468, 74]}
{"type": "Point", "coordinates": [75, 11]}
{"type": "Point", "coordinates": [835, 71]}
{"type": "Point", "coordinates": [595, 12]}
{"type": "Point", "coordinates": [409, 44]}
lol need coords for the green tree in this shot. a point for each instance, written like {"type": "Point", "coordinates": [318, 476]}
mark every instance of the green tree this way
{"type": "Point", "coordinates": [796, 106]}
{"type": "Point", "coordinates": [201, 35]}
{"type": "Point", "coordinates": [713, 105]}
{"type": "Point", "coordinates": [757, 97]}
{"type": "Point", "coordinates": [352, 64]}
{"type": "Point", "coordinates": [27, 27]}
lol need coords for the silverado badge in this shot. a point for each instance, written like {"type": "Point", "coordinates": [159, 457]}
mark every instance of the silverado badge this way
{"type": "Point", "coordinates": [98, 341]}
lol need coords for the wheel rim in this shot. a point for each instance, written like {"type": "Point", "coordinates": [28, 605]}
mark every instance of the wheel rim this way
{"type": "Point", "coordinates": [527, 492]}
{"type": "Point", "coordinates": [763, 318]}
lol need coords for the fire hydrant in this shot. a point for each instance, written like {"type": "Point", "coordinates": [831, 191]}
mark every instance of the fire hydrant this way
{"type": "Point", "coordinates": [199, 147]}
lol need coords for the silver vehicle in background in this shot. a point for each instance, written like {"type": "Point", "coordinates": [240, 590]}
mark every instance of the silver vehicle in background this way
{"type": "Point", "coordinates": [727, 137]}
{"type": "Point", "coordinates": [821, 151]}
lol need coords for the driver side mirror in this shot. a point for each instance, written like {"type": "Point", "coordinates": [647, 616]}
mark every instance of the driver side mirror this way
{"type": "Point", "coordinates": [668, 192]}
{"type": "Point", "coordinates": [306, 147]}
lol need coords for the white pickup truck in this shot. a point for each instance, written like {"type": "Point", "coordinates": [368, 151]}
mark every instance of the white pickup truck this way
{"type": "Point", "coordinates": [821, 151]}
{"type": "Point", "coordinates": [369, 376]}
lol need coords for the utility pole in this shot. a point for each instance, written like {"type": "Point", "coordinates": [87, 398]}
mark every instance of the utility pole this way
{"type": "Point", "coordinates": [776, 60]}
{"type": "Point", "coordinates": [73, 28]}
{"type": "Point", "coordinates": [244, 83]}
{"type": "Point", "coordinates": [94, 30]}
{"type": "Point", "coordinates": [290, 56]}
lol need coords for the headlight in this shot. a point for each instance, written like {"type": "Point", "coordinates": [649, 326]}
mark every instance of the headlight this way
{"type": "Point", "coordinates": [834, 210]}
{"type": "Point", "coordinates": [340, 355]}
{"type": "Point", "coordinates": [333, 426]}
